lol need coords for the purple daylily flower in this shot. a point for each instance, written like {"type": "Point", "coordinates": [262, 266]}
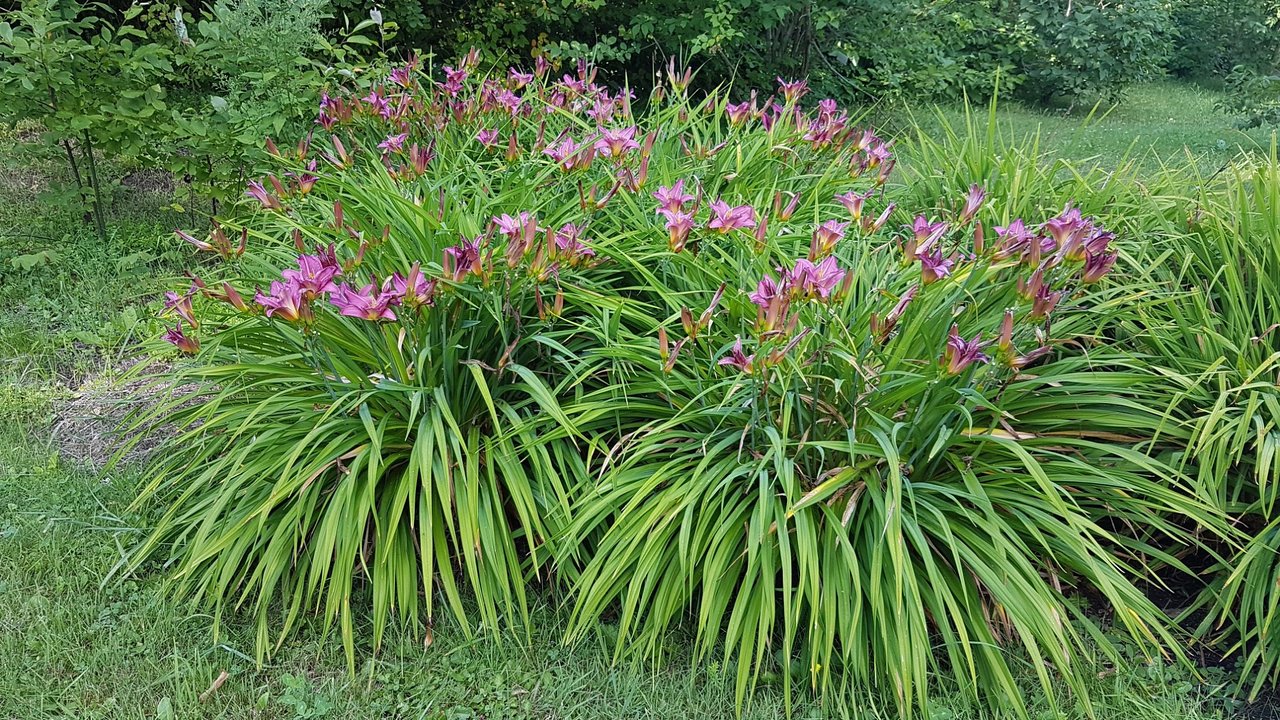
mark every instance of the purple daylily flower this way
{"type": "Point", "coordinates": [258, 192]}
{"type": "Point", "coordinates": [934, 267]}
{"type": "Point", "coordinates": [672, 198]}
{"type": "Point", "coordinates": [679, 225]}
{"type": "Point", "coordinates": [961, 353]}
{"type": "Point", "coordinates": [826, 237]}
{"type": "Point", "coordinates": [286, 301]}
{"type": "Point", "coordinates": [393, 143]}
{"type": "Point", "coordinates": [853, 202]}
{"type": "Point", "coordinates": [972, 202]}
{"type": "Point", "coordinates": [615, 143]}
{"type": "Point", "coordinates": [367, 303]}
{"type": "Point", "coordinates": [570, 247]}
{"type": "Point", "coordinates": [726, 219]}
{"type": "Point", "coordinates": [185, 343]}
{"type": "Point", "coordinates": [564, 152]}
{"type": "Point", "coordinates": [766, 292]}
{"type": "Point", "coordinates": [738, 358]}
{"type": "Point", "coordinates": [181, 306]}
{"type": "Point", "coordinates": [792, 90]}
{"type": "Point", "coordinates": [462, 259]}
{"type": "Point", "coordinates": [1097, 265]}
{"type": "Point", "coordinates": [415, 290]}
{"type": "Point", "coordinates": [314, 275]}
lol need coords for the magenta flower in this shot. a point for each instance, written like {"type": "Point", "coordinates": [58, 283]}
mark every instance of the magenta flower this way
{"type": "Point", "coordinates": [972, 202]}
{"type": "Point", "coordinates": [1098, 241]}
{"type": "Point", "coordinates": [741, 112]}
{"type": "Point", "coordinates": [377, 103]}
{"type": "Point", "coordinates": [307, 180]}
{"type": "Point", "coordinates": [1014, 239]}
{"type": "Point", "coordinates": [367, 303]}
{"type": "Point", "coordinates": [181, 305]}
{"type": "Point", "coordinates": [738, 359]}
{"type": "Point", "coordinates": [726, 219]}
{"type": "Point", "coordinates": [259, 193]}
{"type": "Point", "coordinates": [564, 152]}
{"type": "Point", "coordinates": [616, 143]}
{"type": "Point", "coordinates": [829, 126]}
{"type": "Point", "coordinates": [766, 292]}
{"type": "Point", "coordinates": [453, 80]}
{"type": "Point", "coordinates": [512, 227]}
{"type": "Point", "coordinates": [393, 143]}
{"type": "Point", "coordinates": [1097, 265]}
{"type": "Point", "coordinates": [314, 275]}
{"type": "Point", "coordinates": [961, 353]}
{"type": "Point", "coordinates": [672, 199]}
{"type": "Point", "coordinates": [853, 202]}
{"type": "Point", "coordinates": [286, 301]}
{"type": "Point", "coordinates": [420, 157]}
{"type": "Point", "coordinates": [570, 247]}
{"type": "Point", "coordinates": [934, 267]}
{"type": "Point", "coordinates": [826, 237]}
{"type": "Point", "coordinates": [413, 291]}
{"type": "Point", "coordinates": [462, 259]}
{"type": "Point", "coordinates": [519, 79]}
{"type": "Point", "coordinates": [402, 75]}
{"type": "Point", "coordinates": [679, 225]}
{"type": "Point", "coordinates": [827, 276]}
{"type": "Point", "coordinates": [926, 233]}
{"type": "Point", "coordinates": [792, 90]}
{"type": "Point", "coordinates": [487, 137]}
{"type": "Point", "coordinates": [185, 343]}
{"type": "Point", "coordinates": [1044, 302]}
{"type": "Point", "coordinates": [1065, 224]}
{"type": "Point", "coordinates": [812, 280]}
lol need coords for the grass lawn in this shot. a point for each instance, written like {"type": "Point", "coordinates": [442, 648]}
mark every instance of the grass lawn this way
{"type": "Point", "coordinates": [72, 645]}
{"type": "Point", "coordinates": [1151, 125]}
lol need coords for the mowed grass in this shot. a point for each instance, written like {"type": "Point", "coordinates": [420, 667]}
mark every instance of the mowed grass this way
{"type": "Point", "coordinates": [72, 646]}
{"type": "Point", "coordinates": [76, 644]}
{"type": "Point", "coordinates": [1167, 123]}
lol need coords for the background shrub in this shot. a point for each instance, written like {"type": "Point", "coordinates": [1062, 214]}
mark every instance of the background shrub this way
{"type": "Point", "coordinates": [1092, 48]}
{"type": "Point", "coordinates": [1215, 37]}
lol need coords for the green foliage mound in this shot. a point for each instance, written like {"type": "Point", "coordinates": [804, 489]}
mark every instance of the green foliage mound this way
{"type": "Point", "coordinates": [703, 362]}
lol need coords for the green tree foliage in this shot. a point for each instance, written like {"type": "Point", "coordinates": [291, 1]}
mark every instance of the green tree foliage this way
{"type": "Point", "coordinates": [90, 76]}
{"type": "Point", "coordinates": [1215, 37]}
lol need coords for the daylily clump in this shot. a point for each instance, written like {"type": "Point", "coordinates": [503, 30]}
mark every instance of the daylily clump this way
{"type": "Point", "coordinates": [451, 290]}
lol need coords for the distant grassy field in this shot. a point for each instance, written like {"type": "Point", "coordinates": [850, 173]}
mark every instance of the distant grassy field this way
{"type": "Point", "coordinates": [1151, 125]}
{"type": "Point", "coordinates": [74, 646]}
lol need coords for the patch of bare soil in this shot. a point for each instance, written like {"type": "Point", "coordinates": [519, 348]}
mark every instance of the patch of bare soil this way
{"type": "Point", "coordinates": [154, 182]}
{"type": "Point", "coordinates": [94, 424]}
{"type": "Point", "coordinates": [24, 180]}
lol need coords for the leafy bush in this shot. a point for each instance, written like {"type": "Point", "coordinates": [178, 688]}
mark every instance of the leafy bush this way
{"type": "Point", "coordinates": [1253, 96]}
{"type": "Point", "coordinates": [1217, 36]}
{"type": "Point", "coordinates": [677, 361]}
{"type": "Point", "coordinates": [247, 70]}
{"type": "Point", "coordinates": [1090, 48]}
{"type": "Point", "coordinates": [91, 77]}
